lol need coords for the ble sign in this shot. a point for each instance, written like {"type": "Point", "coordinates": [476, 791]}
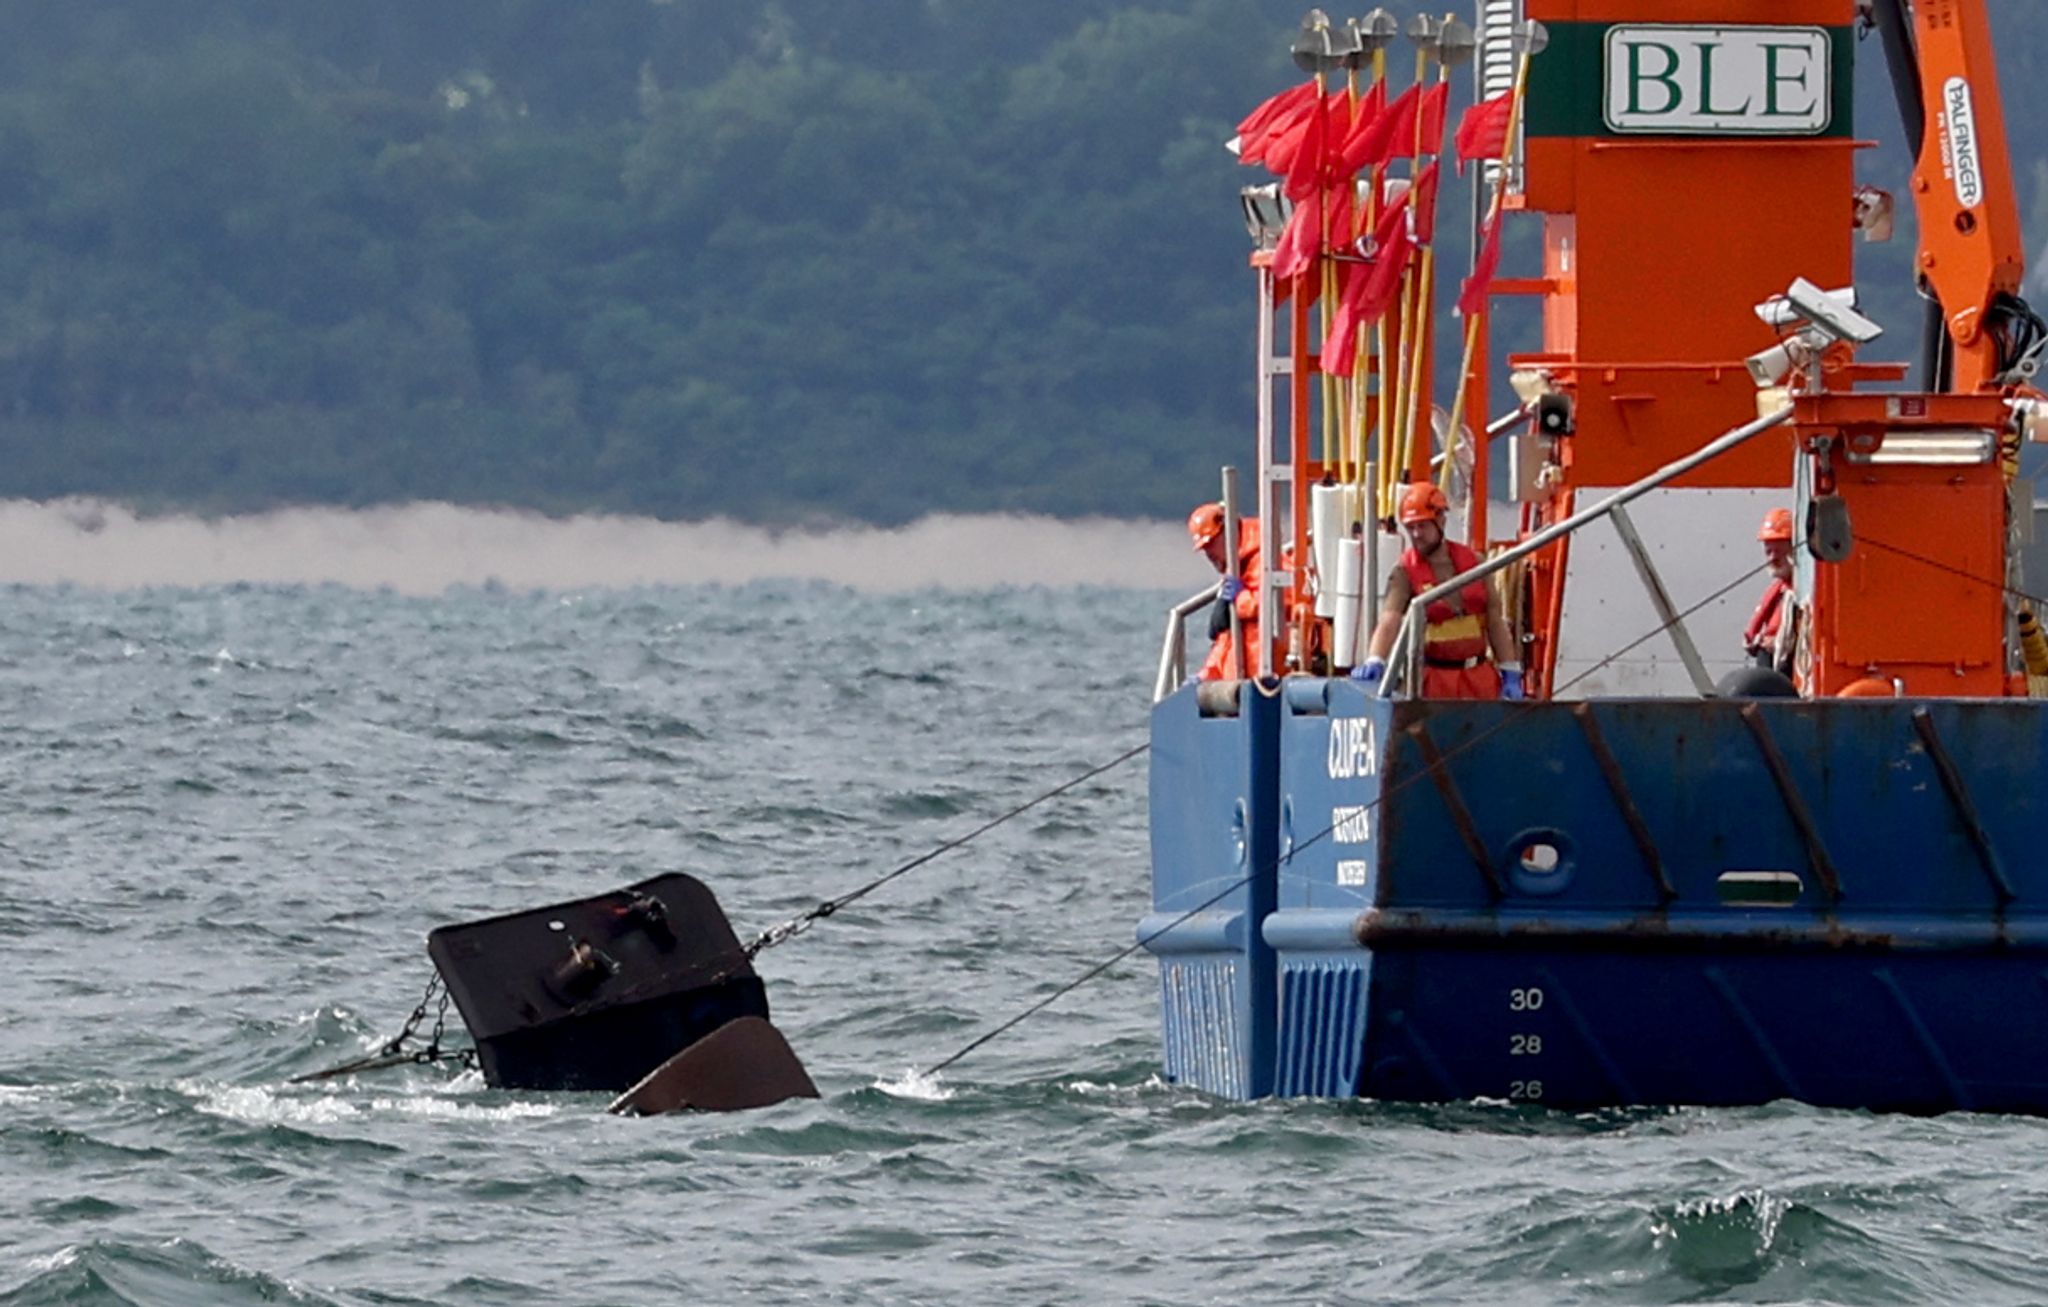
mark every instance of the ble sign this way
{"type": "Point", "coordinates": [1719, 81]}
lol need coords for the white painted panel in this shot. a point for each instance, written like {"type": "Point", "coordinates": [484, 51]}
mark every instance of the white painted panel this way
{"type": "Point", "coordinates": [1700, 540]}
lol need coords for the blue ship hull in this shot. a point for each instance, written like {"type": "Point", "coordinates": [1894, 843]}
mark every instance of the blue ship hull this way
{"type": "Point", "coordinates": [1605, 903]}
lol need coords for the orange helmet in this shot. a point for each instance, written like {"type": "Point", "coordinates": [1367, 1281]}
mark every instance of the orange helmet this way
{"type": "Point", "coordinates": [1205, 524]}
{"type": "Point", "coordinates": [1422, 502]}
{"type": "Point", "coordinates": [1777, 526]}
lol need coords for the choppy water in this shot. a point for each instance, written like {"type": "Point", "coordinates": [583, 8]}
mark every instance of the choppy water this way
{"type": "Point", "coordinates": [227, 817]}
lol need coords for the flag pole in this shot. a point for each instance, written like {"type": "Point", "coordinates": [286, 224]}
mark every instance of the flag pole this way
{"type": "Point", "coordinates": [1381, 28]}
{"type": "Point", "coordinates": [1454, 46]}
{"type": "Point", "coordinates": [1424, 31]}
{"type": "Point", "coordinates": [1529, 42]}
{"type": "Point", "coordinates": [1313, 54]}
{"type": "Point", "coordinates": [1370, 36]}
{"type": "Point", "coordinates": [1347, 389]}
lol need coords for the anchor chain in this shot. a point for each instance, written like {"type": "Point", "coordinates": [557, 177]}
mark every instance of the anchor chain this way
{"type": "Point", "coordinates": [394, 1053]}
{"type": "Point", "coordinates": [790, 929]}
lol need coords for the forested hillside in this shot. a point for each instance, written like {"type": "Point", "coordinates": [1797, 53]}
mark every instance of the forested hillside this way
{"type": "Point", "coordinates": [781, 260]}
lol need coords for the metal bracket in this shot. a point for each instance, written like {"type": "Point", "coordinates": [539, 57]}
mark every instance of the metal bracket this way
{"type": "Point", "coordinates": [1795, 805]}
{"type": "Point", "coordinates": [1660, 599]}
{"type": "Point", "coordinates": [1461, 816]}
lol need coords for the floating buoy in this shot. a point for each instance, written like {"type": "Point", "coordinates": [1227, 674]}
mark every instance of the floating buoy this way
{"type": "Point", "coordinates": [645, 988]}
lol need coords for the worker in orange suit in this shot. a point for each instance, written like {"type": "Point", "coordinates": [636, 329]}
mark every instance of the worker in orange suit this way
{"type": "Point", "coordinates": [1760, 639]}
{"type": "Point", "coordinates": [1467, 652]}
{"type": "Point", "coordinates": [1205, 528]}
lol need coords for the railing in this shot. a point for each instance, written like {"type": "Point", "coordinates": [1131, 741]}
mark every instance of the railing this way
{"type": "Point", "coordinates": [1404, 667]}
{"type": "Point", "coordinates": [1173, 656]}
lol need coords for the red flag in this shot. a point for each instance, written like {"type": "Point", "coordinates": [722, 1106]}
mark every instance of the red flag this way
{"type": "Point", "coordinates": [1343, 200]}
{"type": "Point", "coordinates": [1305, 170]}
{"type": "Point", "coordinates": [1286, 136]}
{"type": "Point", "coordinates": [1472, 297]}
{"type": "Point", "coordinates": [1278, 131]}
{"type": "Point", "coordinates": [1364, 114]}
{"type": "Point", "coordinates": [1393, 244]}
{"type": "Point", "coordinates": [1369, 291]}
{"type": "Point", "coordinates": [1340, 347]}
{"type": "Point", "coordinates": [1258, 121]}
{"type": "Point", "coordinates": [1393, 134]}
{"type": "Point", "coordinates": [1422, 193]}
{"type": "Point", "coordinates": [1483, 129]}
{"type": "Point", "coordinates": [1373, 138]}
{"type": "Point", "coordinates": [1431, 111]}
{"type": "Point", "coordinates": [1301, 239]}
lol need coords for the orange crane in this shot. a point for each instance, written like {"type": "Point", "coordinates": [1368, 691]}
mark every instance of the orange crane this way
{"type": "Point", "coordinates": [1913, 488]}
{"type": "Point", "coordinates": [1971, 259]}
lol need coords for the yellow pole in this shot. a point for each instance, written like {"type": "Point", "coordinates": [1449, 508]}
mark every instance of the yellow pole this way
{"type": "Point", "coordinates": [1393, 424]}
{"type": "Point", "coordinates": [1347, 389]}
{"type": "Point", "coordinates": [1493, 210]}
{"type": "Point", "coordinates": [1327, 272]}
{"type": "Point", "coordinates": [1417, 452]}
{"type": "Point", "coordinates": [1357, 387]}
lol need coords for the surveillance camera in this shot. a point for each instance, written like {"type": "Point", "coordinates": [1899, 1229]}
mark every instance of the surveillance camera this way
{"type": "Point", "coordinates": [1770, 367]}
{"type": "Point", "coordinates": [1829, 316]}
{"type": "Point", "coordinates": [1777, 311]}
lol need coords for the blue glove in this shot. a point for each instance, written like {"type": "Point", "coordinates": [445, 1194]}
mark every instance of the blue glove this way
{"type": "Point", "coordinates": [1511, 682]}
{"type": "Point", "coordinates": [1230, 588]}
{"type": "Point", "coordinates": [1370, 670]}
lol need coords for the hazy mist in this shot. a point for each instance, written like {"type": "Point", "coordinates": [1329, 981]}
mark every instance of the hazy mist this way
{"type": "Point", "coordinates": [425, 548]}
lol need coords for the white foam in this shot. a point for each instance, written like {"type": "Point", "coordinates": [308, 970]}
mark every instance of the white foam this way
{"type": "Point", "coordinates": [256, 1105]}
{"type": "Point", "coordinates": [1091, 1088]}
{"type": "Point", "coordinates": [445, 1109]}
{"type": "Point", "coordinates": [56, 1261]}
{"type": "Point", "coordinates": [917, 1085]}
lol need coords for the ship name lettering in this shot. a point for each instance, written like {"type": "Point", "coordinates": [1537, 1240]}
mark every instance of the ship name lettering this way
{"type": "Point", "coordinates": [1354, 748]}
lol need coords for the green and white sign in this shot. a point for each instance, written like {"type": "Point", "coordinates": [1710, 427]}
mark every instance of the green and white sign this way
{"type": "Point", "coordinates": [1672, 79]}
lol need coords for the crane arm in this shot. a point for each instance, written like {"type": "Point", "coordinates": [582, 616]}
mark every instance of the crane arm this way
{"type": "Point", "coordinates": [1972, 256]}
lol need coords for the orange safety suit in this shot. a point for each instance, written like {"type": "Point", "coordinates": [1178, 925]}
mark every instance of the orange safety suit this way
{"type": "Point", "coordinates": [1218, 665]}
{"type": "Point", "coordinates": [1760, 637]}
{"type": "Point", "coordinates": [1457, 661]}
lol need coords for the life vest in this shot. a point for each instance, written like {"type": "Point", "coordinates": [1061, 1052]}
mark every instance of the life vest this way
{"type": "Point", "coordinates": [1455, 630]}
{"type": "Point", "coordinates": [1761, 635]}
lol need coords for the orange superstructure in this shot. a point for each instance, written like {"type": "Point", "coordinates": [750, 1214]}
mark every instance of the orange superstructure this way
{"type": "Point", "coordinates": [1692, 158]}
{"type": "Point", "coordinates": [1657, 244]}
{"type": "Point", "coordinates": [1691, 165]}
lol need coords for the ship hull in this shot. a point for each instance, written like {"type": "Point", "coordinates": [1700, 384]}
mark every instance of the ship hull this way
{"type": "Point", "coordinates": [1607, 903]}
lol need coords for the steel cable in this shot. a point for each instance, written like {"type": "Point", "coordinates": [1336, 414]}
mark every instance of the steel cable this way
{"type": "Point", "coordinates": [1386, 793]}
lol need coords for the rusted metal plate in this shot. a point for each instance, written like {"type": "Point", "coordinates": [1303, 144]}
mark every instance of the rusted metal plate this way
{"type": "Point", "coordinates": [744, 1063]}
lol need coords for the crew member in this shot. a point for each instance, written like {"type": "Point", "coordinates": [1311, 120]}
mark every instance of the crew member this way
{"type": "Point", "coordinates": [1205, 528]}
{"type": "Point", "coordinates": [1760, 639]}
{"type": "Point", "coordinates": [1467, 652]}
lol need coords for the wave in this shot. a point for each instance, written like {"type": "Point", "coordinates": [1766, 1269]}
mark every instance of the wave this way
{"type": "Point", "coordinates": [426, 548]}
{"type": "Point", "coordinates": [175, 1272]}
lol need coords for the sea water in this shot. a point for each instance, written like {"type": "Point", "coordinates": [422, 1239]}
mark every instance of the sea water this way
{"type": "Point", "coordinates": [228, 816]}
